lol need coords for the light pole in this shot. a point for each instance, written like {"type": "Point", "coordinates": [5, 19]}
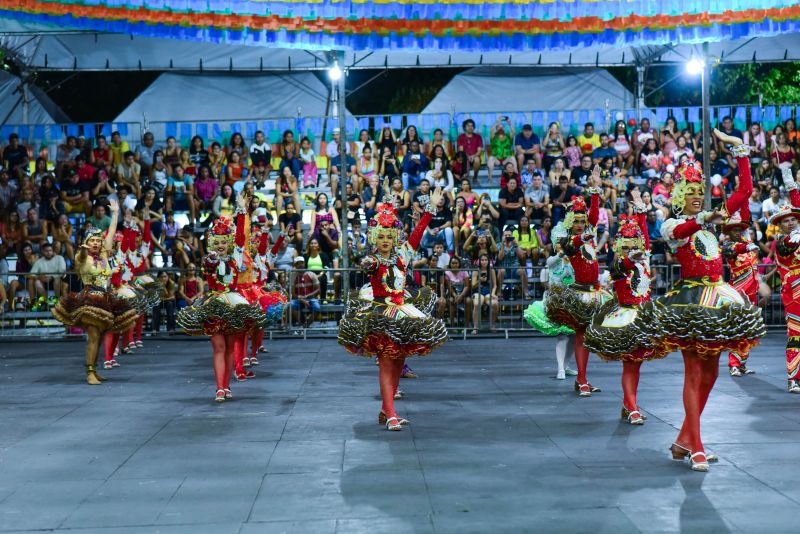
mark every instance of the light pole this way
{"type": "Point", "coordinates": [700, 65]}
{"type": "Point", "coordinates": [337, 76]}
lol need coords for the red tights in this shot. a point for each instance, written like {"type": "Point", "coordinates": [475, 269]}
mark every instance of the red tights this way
{"type": "Point", "coordinates": [630, 384]}
{"type": "Point", "coordinates": [389, 376]}
{"type": "Point", "coordinates": [581, 355]}
{"type": "Point", "coordinates": [137, 328]}
{"type": "Point", "coordinates": [239, 349]}
{"type": "Point", "coordinates": [256, 342]}
{"type": "Point", "coordinates": [114, 340]}
{"type": "Point", "coordinates": [222, 347]}
{"type": "Point", "coordinates": [698, 381]}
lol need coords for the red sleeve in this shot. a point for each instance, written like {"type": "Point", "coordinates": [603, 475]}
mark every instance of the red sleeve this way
{"type": "Point", "coordinates": [147, 236]}
{"type": "Point", "coordinates": [419, 230]}
{"type": "Point", "coordinates": [130, 239]}
{"type": "Point", "coordinates": [277, 246]}
{"type": "Point", "coordinates": [577, 241]}
{"type": "Point", "coordinates": [594, 210]}
{"type": "Point", "coordinates": [627, 264]}
{"type": "Point", "coordinates": [240, 237]}
{"type": "Point", "coordinates": [794, 198]}
{"type": "Point", "coordinates": [740, 199]}
{"type": "Point", "coordinates": [641, 218]}
{"type": "Point", "coordinates": [686, 229]}
{"type": "Point", "coordinates": [740, 248]}
{"type": "Point", "coordinates": [262, 244]}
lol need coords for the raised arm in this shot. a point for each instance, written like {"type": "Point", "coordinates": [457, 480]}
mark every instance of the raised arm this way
{"type": "Point", "coordinates": [639, 211]}
{"type": "Point", "coordinates": [789, 184]}
{"type": "Point", "coordinates": [419, 230]}
{"type": "Point", "coordinates": [594, 191]}
{"type": "Point", "coordinates": [112, 227]}
{"type": "Point", "coordinates": [739, 199]}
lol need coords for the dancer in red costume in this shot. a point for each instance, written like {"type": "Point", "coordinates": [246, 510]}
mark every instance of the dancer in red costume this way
{"type": "Point", "coordinates": [139, 255]}
{"type": "Point", "coordinates": [251, 282]}
{"type": "Point", "coordinates": [741, 254]}
{"type": "Point", "coordinates": [121, 284]}
{"type": "Point", "coordinates": [575, 305]}
{"type": "Point", "coordinates": [702, 315]}
{"type": "Point", "coordinates": [384, 319]}
{"type": "Point", "coordinates": [223, 313]}
{"type": "Point", "coordinates": [624, 329]}
{"type": "Point", "coordinates": [787, 253]}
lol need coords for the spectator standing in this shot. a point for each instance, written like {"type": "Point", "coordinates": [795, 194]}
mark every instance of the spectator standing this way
{"type": "Point", "coordinates": [511, 258]}
{"type": "Point", "coordinates": [623, 145]}
{"type": "Point", "coordinates": [190, 287]}
{"type": "Point", "coordinates": [502, 147]}
{"type": "Point", "coordinates": [457, 289]}
{"type": "Point", "coordinates": [471, 144]}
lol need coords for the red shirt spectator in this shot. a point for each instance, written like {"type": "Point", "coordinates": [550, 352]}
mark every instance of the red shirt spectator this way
{"type": "Point", "coordinates": [470, 143]}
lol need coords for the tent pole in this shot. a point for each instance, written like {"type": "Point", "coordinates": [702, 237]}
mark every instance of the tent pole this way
{"type": "Point", "coordinates": [705, 80]}
{"type": "Point", "coordinates": [342, 99]}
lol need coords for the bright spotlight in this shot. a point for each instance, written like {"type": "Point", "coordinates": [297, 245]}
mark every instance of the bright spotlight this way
{"type": "Point", "coordinates": [695, 66]}
{"type": "Point", "coordinates": [335, 72]}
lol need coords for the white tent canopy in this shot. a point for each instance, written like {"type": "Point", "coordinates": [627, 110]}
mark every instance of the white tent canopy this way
{"type": "Point", "coordinates": [497, 89]}
{"type": "Point", "coordinates": [194, 97]}
{"type": "Point", "coordinates": [65, 50]}
{"type": "Point", "coordinates": [40, 109]}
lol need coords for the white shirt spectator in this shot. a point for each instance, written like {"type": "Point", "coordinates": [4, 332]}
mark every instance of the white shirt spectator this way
{"type": "Point", "coordinates": [55, 266]}
{"type": "Point", "coordinates": [769, 207]}
{"type": "Point", "coordinates": [332, 150]}
{"type": "Point", "coordinates": [445, 180]}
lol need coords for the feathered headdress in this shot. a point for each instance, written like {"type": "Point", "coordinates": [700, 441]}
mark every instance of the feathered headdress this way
{"type": "Point", "coordinates": [385, 218]}
{"type": "Point", "coordinates": [629, 233]}
{"type": "Point", "coordinates": [93, 232]}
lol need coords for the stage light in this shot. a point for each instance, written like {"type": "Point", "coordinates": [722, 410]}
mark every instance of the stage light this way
{"type": "Point", "coordinates": [335, 72]}
{"type": "Point", "coordinates": [695, 66]}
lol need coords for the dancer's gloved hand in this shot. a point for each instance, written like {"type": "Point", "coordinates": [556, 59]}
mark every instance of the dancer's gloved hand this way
{"type": "Point", "coordinates": [587, 236]}
{"type": "Point", "coordinates": [794, 237]}
{"type": "Point", "coordinates": [752, 247]}
{"type": "Point", "coordinates": [786, 174]}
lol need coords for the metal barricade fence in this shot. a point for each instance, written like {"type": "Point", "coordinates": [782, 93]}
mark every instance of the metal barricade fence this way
{"type": "Point", "coordinates": [494, 303]}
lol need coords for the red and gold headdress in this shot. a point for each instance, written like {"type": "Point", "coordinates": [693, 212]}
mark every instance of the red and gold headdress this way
{"type": "Point", "coordinates": [735, 221]}
{"type": "Point", "coordinates": [576, 209]}
{"type": "Point", "coordinates": [385, 218]}
{"type": "Point", "coordinates": [688, 175]}
{"type": "Point", "coordinates": [222, 229]}
{"type": "Point", "coordinates": [629, 233]}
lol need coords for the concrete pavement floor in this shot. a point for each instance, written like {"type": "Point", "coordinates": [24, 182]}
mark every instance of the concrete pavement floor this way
{"type": "Point", "coordinates": [495, 444]}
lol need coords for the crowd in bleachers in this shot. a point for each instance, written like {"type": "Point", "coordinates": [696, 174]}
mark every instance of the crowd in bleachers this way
{"type": "Point", "coordinates": [504, 194]}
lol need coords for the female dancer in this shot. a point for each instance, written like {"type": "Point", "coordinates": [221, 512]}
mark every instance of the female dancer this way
{"type": "Point", "coordinates": [139, 255]}
{"type": "Point", "coordinates": [575, 305]}
{"type": "Point", "coordinates": [223, 313]}
{"type": "Point", "coordinates": [95, 309]}
{"type": "Point", "coordinates": [559, 274]}
{"type": "Point", "coordinates": [121, 282]}
{"type": "Point", "coordinates": [251, 285]}
{"type": "Point", "coordinates": [623, 329]}
{"type": "Point", "coordinates": [787, 254]}
{"type": "Point", "coordinates": [702, 315]}
{"type": "Point", "coordinates": [384, 320]}
{"type": "Point", "coordinates": [741, 254]}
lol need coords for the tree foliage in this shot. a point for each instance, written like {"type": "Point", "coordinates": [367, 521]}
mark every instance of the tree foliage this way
{"type": "Point", "coordinates": [742, 84]}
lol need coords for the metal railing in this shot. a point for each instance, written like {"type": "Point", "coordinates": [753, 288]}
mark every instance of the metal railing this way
{"type": "Point", "coordinates": [502, 313]}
